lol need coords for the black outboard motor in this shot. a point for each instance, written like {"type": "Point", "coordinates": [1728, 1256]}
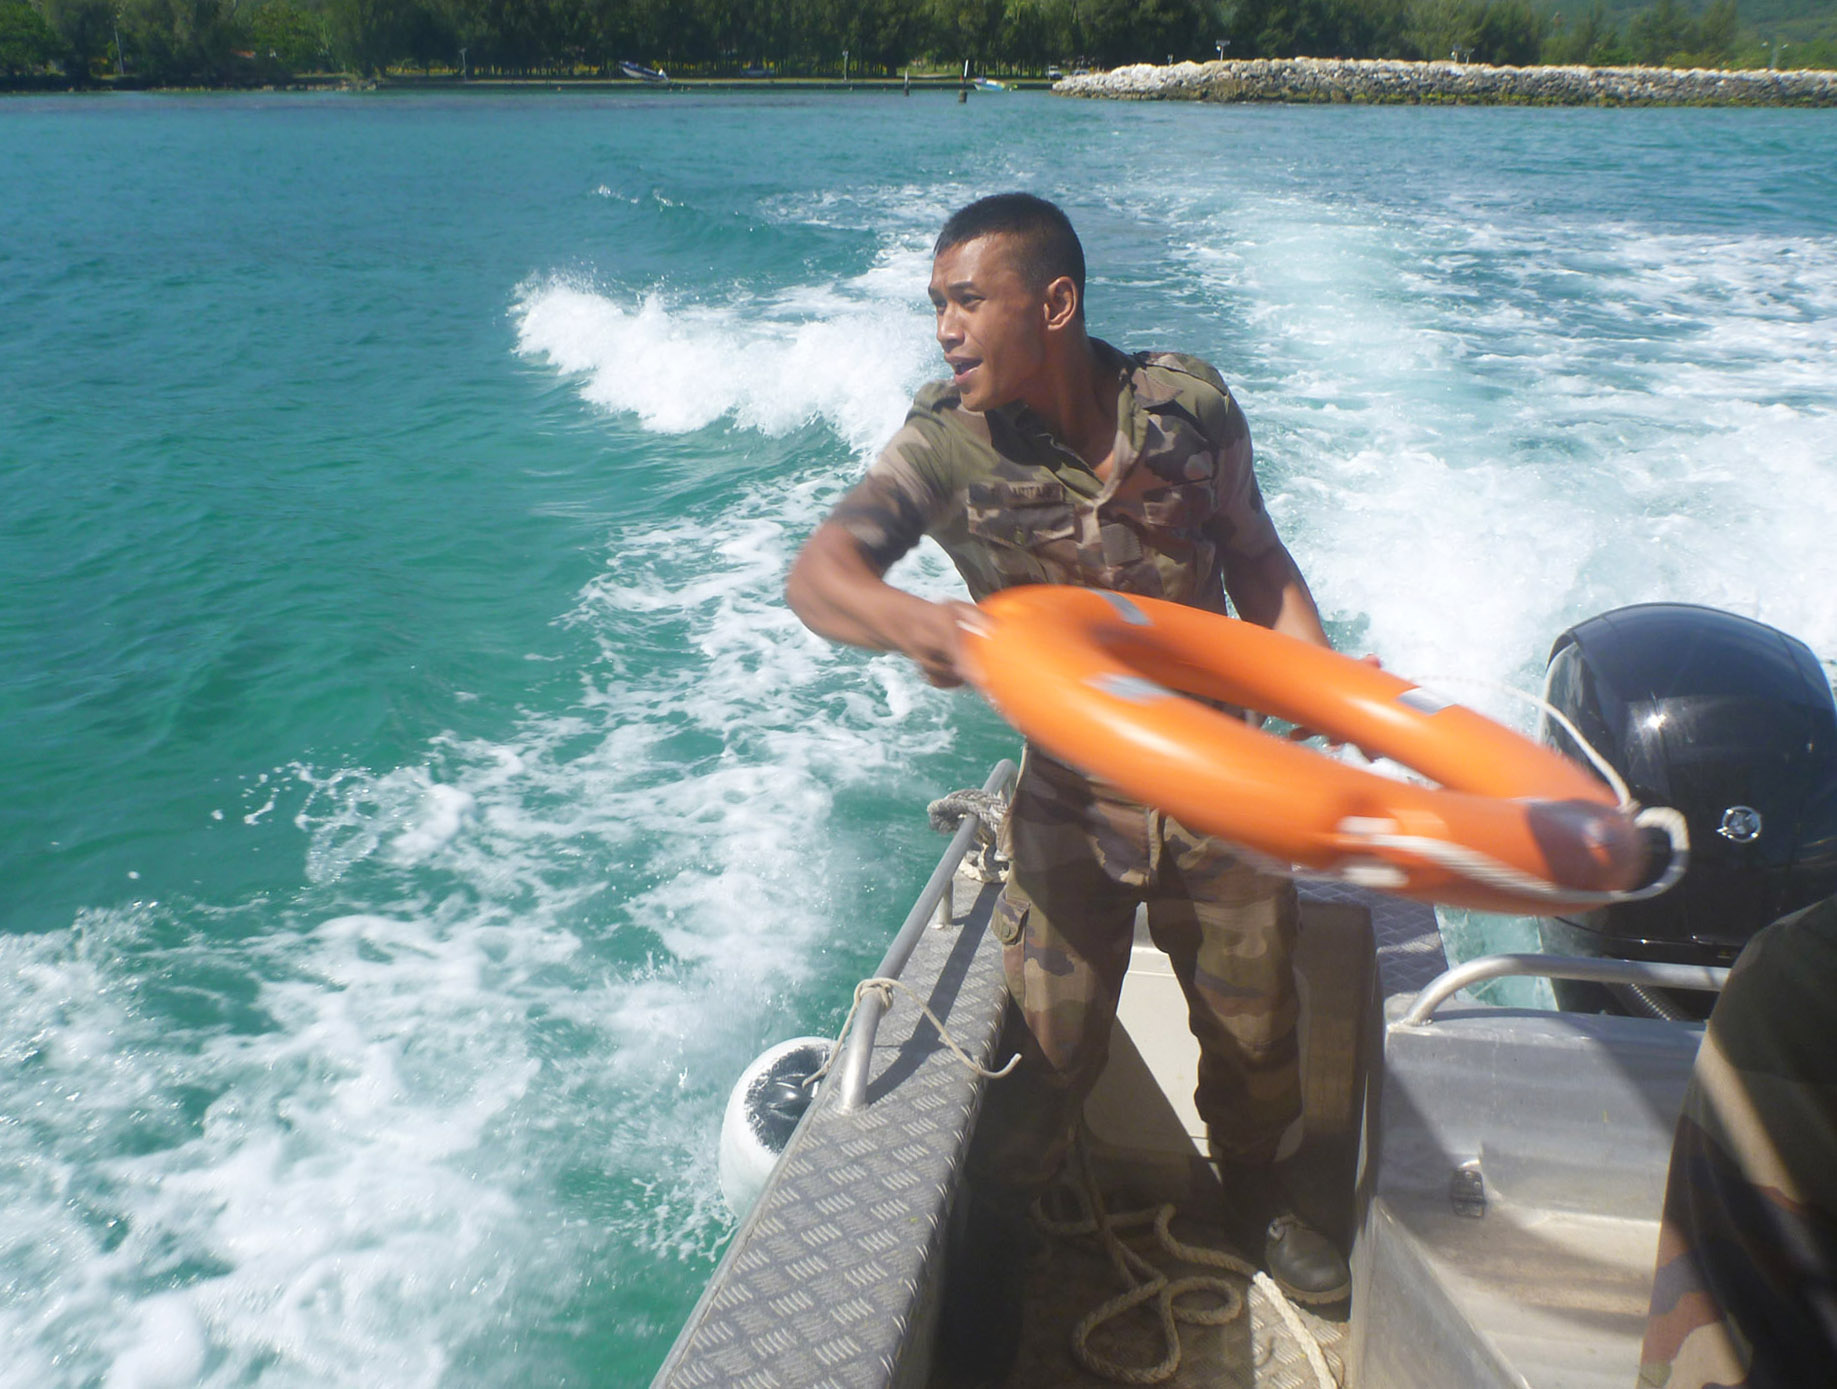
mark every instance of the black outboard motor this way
{"type": "Point", "coordinates": [1730, 722]}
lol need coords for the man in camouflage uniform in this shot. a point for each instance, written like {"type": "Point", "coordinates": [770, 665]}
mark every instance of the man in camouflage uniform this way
{"type": "Point", "coordinates": [1051, 457]}
{"type": "Point", "coordinates": [1746, 1292]}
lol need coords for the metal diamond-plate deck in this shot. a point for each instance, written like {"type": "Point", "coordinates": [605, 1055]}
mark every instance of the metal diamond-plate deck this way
{"type": "Point", "coordinates": [1408, 939]}
{"type": "Point", "coordinates": [831, 1281]}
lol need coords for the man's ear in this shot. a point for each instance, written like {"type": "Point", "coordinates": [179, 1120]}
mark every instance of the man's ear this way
{"type": "Point", "coordinates": [1061, 300]}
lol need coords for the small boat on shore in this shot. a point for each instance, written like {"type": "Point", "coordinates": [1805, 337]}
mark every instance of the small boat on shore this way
{"type": "Point", "coordinates": [1497, 1172]}
{"type": "Point", "coordinates": [639, 72]}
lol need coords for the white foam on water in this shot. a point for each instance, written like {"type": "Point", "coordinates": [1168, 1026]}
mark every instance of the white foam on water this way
{"type": "Point", "coordinates": [767, 362]}
{"type": "Point", "coordinates": [441, 813]}
{"type": "Point", "coordinates": [1475, 436]}
{"type": "Point", "coordinates": [511, 959]}
{"type": "Point", "coordinates": [284, 1201]}
{"type": "Point", "coordinates": [168, 1351]}
{"type": "Point", "coordinates": [1466, 464]}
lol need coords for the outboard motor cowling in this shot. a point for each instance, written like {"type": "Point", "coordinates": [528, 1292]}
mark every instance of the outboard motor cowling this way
{"type": "Point", "coordinates": [1730, 722]}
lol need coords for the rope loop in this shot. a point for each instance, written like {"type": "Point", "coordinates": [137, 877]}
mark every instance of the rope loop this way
{"type": "Point", "coordinates": [884, 986]}
{"type": "Point", "coordinates": [989, 808]}
{"type": "Point", "coordinates": [1145, 1283]}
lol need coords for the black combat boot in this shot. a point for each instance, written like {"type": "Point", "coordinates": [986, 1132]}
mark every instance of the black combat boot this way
{"type": "Point", "coordinates": [1261, 1218]}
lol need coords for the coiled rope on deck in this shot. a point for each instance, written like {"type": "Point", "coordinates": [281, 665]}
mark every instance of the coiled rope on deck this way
{"type": "Point", "coordinates": [1145, 1283]}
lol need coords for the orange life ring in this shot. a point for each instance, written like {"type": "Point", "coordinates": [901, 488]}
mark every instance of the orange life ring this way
{"type": "Point", "coordinates": [1090, 676]}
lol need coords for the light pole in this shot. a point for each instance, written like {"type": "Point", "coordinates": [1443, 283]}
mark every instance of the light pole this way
{"type": "Point", "coordinates": [1221, 46]}
{"type": "Point", "coordinates": [845, 67]}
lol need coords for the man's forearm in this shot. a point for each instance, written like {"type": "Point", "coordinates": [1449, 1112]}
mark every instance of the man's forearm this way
{"type": "Point", "coordinates": [838, 594]}
{"type": "Point", "coordinates": [1298, 616]}
{"type": "Point", "coordinates": [1270, 591]}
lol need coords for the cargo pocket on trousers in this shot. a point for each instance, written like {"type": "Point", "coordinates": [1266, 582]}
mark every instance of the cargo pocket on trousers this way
{"type": "Point", "coordinates": [1009, 920]}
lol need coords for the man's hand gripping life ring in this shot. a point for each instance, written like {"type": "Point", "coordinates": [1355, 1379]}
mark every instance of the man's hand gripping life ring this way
{"type": "Point", "coordinates": [1092, 677]}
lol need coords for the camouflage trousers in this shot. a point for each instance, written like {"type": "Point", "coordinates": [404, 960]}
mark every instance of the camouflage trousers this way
{"type": "Point", "coordinates": [1746, 1289]}
{"type": "Point", "coordinates": [1084, 859]}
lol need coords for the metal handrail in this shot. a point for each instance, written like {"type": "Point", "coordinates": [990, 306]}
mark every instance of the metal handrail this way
{"type": "Point", "coordinates": [1591, 971]}
{"type": "Point", "coordinates": [858, 1049]}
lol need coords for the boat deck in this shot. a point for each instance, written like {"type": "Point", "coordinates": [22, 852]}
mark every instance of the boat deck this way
{"type": "Point", "coordinates": [1148, 1147]}
{"type": "Point", "coordinates": [1255, 1350]}
{"type": "Point", "coordinates": [1539, 1272]}
{"type": "Point", "coordinates": [1501, 1170]}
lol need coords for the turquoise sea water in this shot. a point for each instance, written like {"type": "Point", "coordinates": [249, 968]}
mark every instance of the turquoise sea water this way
{"type": "Point", "coordinates": [418, 804]}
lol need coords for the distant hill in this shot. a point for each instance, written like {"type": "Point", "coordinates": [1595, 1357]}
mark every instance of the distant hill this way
{"type": "Point", "coordinates": [1798, 33]}
{"type": "Point", "coordinates": [1763, 16]}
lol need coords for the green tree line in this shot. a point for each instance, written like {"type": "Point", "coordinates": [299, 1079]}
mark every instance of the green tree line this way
{"type": "Point", "coordinates": [219, 42]}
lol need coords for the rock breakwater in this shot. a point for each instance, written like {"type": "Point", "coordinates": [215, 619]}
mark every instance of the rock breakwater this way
{"type": "Point", "coordinates": [1405, 83]}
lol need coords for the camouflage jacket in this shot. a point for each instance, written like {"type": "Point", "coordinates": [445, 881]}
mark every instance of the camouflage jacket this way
{"type": "Point", "coordinates": [1012, 505]}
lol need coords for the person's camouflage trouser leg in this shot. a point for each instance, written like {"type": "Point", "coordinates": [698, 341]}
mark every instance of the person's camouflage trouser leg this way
{"type": "Point", "coordinates": [1083, 860]}
{"type": "Point", "coordinates": [1746, 1290]}
{"type": "Point", "coordinates": [1230, 932]}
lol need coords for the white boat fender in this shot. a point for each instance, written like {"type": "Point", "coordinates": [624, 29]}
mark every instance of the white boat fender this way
{"type": "Point", "coordinates": [762, 1112]}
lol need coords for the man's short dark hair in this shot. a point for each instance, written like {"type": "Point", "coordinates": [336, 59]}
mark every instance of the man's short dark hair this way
{"type": "Point", "coordinates": [1048, 246]}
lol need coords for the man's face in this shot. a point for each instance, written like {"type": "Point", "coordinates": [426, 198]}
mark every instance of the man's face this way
{"type": "Point", "coordinates": [991, 322]}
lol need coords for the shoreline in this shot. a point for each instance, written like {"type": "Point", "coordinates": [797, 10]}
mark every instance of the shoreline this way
{"type": "Point", "coordinates": [1292, 81]}
{"type": "Point", "coordinates": [413, 82]}
{"type": "Point", "coordinates": [1394, 82]}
